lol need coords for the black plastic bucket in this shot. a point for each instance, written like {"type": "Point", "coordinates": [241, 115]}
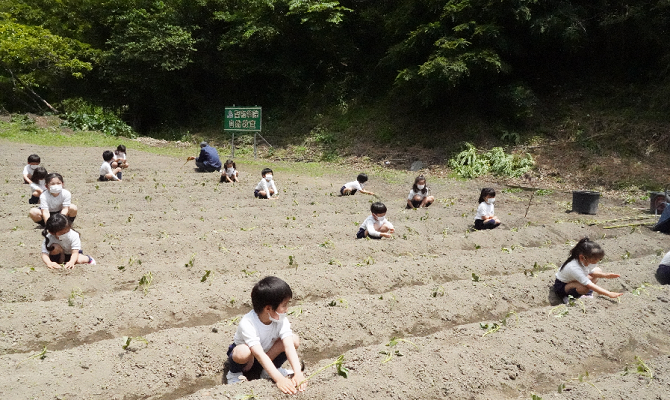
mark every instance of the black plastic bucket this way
{"type": "Point", "coordinates": [585, 202]}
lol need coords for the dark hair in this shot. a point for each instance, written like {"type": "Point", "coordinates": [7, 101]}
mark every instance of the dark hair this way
{"type": "Point", "coordinates": [486, 192]}
{"type": "Point", "coordinates": [56, 223]}
{"type": "Point", "coordinates": [51, 176]}
{"type": "Point", "coordinates": [266, 171]}
{"type": "Point", "coordinates": [121, 148]}
{"type": "Point", "coordinates": [586, 248]}
{"type": "Point", "coordinates": [416, 181]}
{"type": "Point", "coordinates": [378, 208]}
{"type": "Point", "coordinates": [39, 173]}
{"type": "Point", "coordinates": [33, 158]}
{"type": "Point", "coordinates": [269, 291]}
{"type": "Point", "coordinates": [107, 155]}
{"type": "Point", "coordinates": [362, 178]}
{"type": "Point", "coordinates": [230, 162]}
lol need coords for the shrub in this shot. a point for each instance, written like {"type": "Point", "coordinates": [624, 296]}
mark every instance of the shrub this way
{"type": "Point", "coordinates": [471, 163]}
{"type": "Point", "coordinates": [81, 115]}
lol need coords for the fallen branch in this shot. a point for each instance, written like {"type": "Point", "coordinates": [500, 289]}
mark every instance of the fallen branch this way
{"type": "Point", "coordinates": [627, 225]}
{"type": "Point", "coordinates": [529, 201]}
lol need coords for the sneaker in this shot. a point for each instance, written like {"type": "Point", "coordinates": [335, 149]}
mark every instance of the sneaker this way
{"type": "Point", "coordinates": [566, 300]}
{"type": "Point", "coordinates": [235, 377]}
{"type": "Point", "coordinates": [588, 295]}
{"type": "Point", "coordinates": [285, 372]}
{"type": "Point", "coordinates": [91, 261]}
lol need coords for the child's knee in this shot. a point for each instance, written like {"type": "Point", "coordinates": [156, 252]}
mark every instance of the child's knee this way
{"type": "Point", "coordinates": [242, 354]}
{"type": "Point", "coordinates": [72, 209]}
{"type": "Point", "coordinates": [417, 198]}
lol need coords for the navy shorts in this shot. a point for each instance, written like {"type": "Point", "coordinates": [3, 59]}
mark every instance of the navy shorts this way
{"type": "Point", "coordinates": [559, 289]}
{"type": "Point", "coordinates": [490, 224]}
{"type": "Point", "coordinates": [33, 200]}
{"type": "Point", "coordinates": [258, 196]}
{"type": "Point", "coordinates": [663, 274]}
{"type": "Point", "coordinates": [56, 257]}
{"type": "Point", "coordinates": [353, 191]}
{"type": "Point", "coordinates": [256, 369]}
{"type": "Point", "coordinates": [361, 235]}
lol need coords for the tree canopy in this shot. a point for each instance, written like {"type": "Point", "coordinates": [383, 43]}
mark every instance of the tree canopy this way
{"type": "Point", "coordinates": [169, 60]}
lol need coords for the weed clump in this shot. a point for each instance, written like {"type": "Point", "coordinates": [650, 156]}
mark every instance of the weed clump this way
{"type": "Point", "coordinates": [472, 163]}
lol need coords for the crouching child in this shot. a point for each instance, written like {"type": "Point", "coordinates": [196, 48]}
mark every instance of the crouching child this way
{"type": "Point", "coordinates": [264, 340]}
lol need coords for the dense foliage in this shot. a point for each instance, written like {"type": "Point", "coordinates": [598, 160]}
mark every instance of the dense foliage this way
{"type": "Point", "coordinates": [177, 60]}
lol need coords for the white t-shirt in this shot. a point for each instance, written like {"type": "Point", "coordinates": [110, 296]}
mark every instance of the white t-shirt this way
{"type": "Point", "coordinates": [353, 185]}
{"type": "Point", "coordinates": [575, 271]}
{"type": "Point", "coordinates": [412, 193]}
{"type": "Point", "coordinates": [55, 203]}
{"type": "Point", "coordinates": [29, 171]}
{"type": "Point", "coordinates": [265, 185]}
{"type": "Point", "coordinates": [105, 168]}
{"type": "Point", "coordinates": [666, 259]}
{"type": "Point", "coordinates": [372, 226]}
{"type": "Point", "coordinates": [119, 155]}
{"type": "Point", "coordinates": [230, 172]}
{"type": "Point", "coordinates": [251, 331]}
{"type": "Point", "coordinates": [70, 242]}
{"type": "Point", "coordinates": [484, 210]}
{"type": "Point", "coordinates": [38, 186]}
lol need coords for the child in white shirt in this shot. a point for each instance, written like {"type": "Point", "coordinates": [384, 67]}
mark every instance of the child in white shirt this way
{"type": "Point", "coordinates": [264, 340]}
{"type": "Point", "coordinates": [418, 195]}
{"type": "Point", "coordinates": [578, 275]}
{"type": "Point", "coordinates": [54, 200]}
{"type": "Point", "coordinates": [120, 160]}
{"type": "Point", "coordinates": [229, 172]}
{"type": "Point", "coordinates": [38, 185]}
{"type": "Point", "coordinates": [33, 163]}
{"type": "Point", "coordinates": [60, 243]}
{"type": "Point", "coordinates": [350, 188]}
{"type": "Point", "coordinates": [485, 218]}
{"type": "Point", "coordinates": [266, 188]}
{"type": "Point", "coordinates": [107, 172]}
{"type": "Point", "coordinates": [376, 226]}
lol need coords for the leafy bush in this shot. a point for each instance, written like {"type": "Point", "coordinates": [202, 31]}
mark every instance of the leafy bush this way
{"type": "Point", "coordinates": [81, 115]}
{"type": "Point", "coordinates": [471, 163]}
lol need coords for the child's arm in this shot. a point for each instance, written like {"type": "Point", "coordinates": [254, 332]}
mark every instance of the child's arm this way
{"type": "Point", "coordinates": [26, 178]}
{"type": "Point", "coordinates": [602, 291]}
{"type": "Point", "coordinates": [48, 262]}
{"type": "Point", "coordinates": [274, 187]}
{"type": "Point", "coordinates": [366, 192]}
{"type": "Point", "coordinates": [284, 384]}
{"type": "Point", "coordinates": [292, 357]}
{"type": "Point", "coordinates": [604, 275]}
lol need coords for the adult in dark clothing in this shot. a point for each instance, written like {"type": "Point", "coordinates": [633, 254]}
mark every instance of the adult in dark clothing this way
{"type": "Point", "coordinates": [208, 160]}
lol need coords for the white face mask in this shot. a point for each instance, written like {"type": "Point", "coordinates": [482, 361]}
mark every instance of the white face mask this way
{"type": "Point", "coordinates": [230, 170]}
{"type": "Point", "coordinates": [420, 187]}
{"type": "Point", "coordinates": [268, 178]}
{"type": "Point", "coordinates": [490, 200]}
{"type": "Point", "coordinates": [55, 189]}
{"type": "Point", "coordinates": [281, 317]}
{"type": "Point", "coordinates": [33, 167]}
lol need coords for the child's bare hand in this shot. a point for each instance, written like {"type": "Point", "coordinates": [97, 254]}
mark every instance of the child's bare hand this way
{"type": "Point", "coordinates": [392, 230]}
{"type": "Point", "coordinates": [53, 265]}
{"type": "Point", "coordinates": [286, 386]}
{"type": "Point", "coordinates": [69, 265]}
{"type": "Point", "coordinates": [612, 276]}
{"type": "Point", "coordinates": [385, 234]}
{"type": "Point", "coordinates": [614, 295]}
{"type": "Point", "coordinates": [299, 379]}
{"type": "Point", "coordinates": [190, 158]}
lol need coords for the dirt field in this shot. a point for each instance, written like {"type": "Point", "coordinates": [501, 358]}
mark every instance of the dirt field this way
{"type": "Point", "coordinates": [351, 296]}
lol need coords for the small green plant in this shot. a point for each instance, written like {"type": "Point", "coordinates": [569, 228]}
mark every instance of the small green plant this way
{"type": "Point", "coordinates": [641, 368]}
{"type": "Point", "coordinates": [328, 244]}
{"type": "Point", "coordinates": [249, 396]}
{"type": "Point", "coordinates": [128, 339]}
{"type": "Point", "coordinates": [74, 294]}
{"type": "Point", "coordinates": [626, 255]}
{"type": "Point", "coordinates": [543, 192]}
{"type": "Point", "coordinates": [495, 326]}
{"type": "Point", "coordinates": [475, 278]}
{"type": "Point", "coordinates": [145, 282]}
{"type": "Point", "coordinates": [334, 261]}
{"type": "Point", "coordinates": [562, 310]}
{"type": "Point", "coordinates": [341, 301]}
{"type": "Point", "coordinates": [390, 352]}
{"type": "Point", "coordinates": [249, 272]}
{"type": "Point", "coordinates": [369, 260]}
{"type": "Point", "coordinates": [291, 260]}
{"type": "Point", "coordinates": [295, 311]}
{"type": "Point", "coordinates": [147, 198]}
{"type": "Point", "coordinates": [248, 229]}
{"type": "Point", "coordinates": [190, 262]}
{"type": "Point", "coordinates": [506, 250]}
{"type": "Point", "coordinates": [338, 363]}
{"type": "Point", "coordinates": [41, 355]}
{"type": "Point", "coordinates": [204, 277]}
{"type": "Point", "coordinates": [437, 291]}
{"type": "Point", "coordinates": [477, 247]}
{"type": "Point", "coordinates": [535, 397]}
{"type": "Point", "coordinates": [471, 163]}
{"type": "Point", "coordinates": [130, 218]}
{"type": "Point", "coordinates": [537, 268]}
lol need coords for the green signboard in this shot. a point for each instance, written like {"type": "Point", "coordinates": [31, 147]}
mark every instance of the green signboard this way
{"type": "Point", "coordinates": [242, 119]}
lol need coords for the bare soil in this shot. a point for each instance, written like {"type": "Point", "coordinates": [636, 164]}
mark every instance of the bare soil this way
{"type": "Point", "coordinates": [436, 283]}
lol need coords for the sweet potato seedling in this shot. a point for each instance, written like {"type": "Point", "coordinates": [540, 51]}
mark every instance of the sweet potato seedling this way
{"type": "Point", "coordinates": [341, 301]}
{"type": "Point", "coordinates": [145, 282]}
{"type": "Point", "coordinates": [74, 294]}
{"type": "Point", "coordinates": [537, 268]}
{"type": "Point", "coordinates": [535, 397]}
{"type": "Point", "coordinates": [495, 327]}
{"type": "Point", "coordinates": [204, 277]}
{"type": "Point", "coordinates": [191, 261]}
{"type": "Point", "coordinates": [249, 272]}
{"type": "Point", "coordinates": [641, 368]}
{"type": "Point", "coordinates": [249, 396]}
{"type": "Point", "coordinates": [41, 355]}
{"type": "Point", "coordinates": [128, 339]}
{"type": "Point", "coordinates": [338, 363]}
{"type": "Point", "coordinates": [562, 310]}
{"type": "Point", "coordinates": [390, 352]}
{"type": "Point", "coordinates": [437, 291]}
